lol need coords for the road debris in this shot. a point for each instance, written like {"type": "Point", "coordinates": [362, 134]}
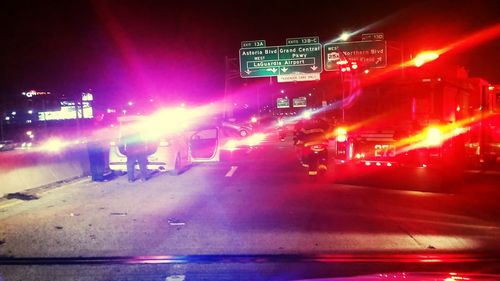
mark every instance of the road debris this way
{"type": "Point", "coordinates": [2, 242]}
{"type": "Point", "coordinates": [22, 196]}
{"type": "Point", "coordinates": [175, 222]}
{"type": "Point", "coordinates": [58, 227]}
{"type": "Point", "coordinates": [74, 214]}
{"type": "Point", "coordinates": [118, 214]}
{"type": "Point", "coordinates": [175, 278]}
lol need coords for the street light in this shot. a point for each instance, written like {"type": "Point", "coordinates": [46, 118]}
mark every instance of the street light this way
{"type": "Point", "coordinates": [425, 57]}
{"type": "Point", "coordinates": [345, 36]}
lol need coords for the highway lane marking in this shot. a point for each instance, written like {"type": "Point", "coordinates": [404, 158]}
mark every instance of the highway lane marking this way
{"type": "Point", "coordinates": [231, 171]}
{"type": "Point", "coordinates": [10, 204]}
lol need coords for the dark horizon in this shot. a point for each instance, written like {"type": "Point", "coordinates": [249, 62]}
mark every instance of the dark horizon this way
{"type": "Point", "coordinates": [156, 48]}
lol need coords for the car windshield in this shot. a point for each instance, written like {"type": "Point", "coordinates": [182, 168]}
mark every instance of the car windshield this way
{"type": "Point", "coordinates": [229, 133]}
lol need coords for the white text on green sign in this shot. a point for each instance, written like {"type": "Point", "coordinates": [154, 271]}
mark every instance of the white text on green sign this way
{"type": "Point", "coordinates": [279, 60]}
{"type": "Point", "coordinates": [302, 40]}
{"type": "Point", "coordinates": [255, 43]}
{"type": "Point", "coordinates": [367, 54]}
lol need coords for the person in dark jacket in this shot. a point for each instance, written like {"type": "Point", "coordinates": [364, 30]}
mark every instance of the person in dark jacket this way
{"type": "Point", "coordinates": [97, 151]}
{"type": "Point", "coordinates": [136, 149]}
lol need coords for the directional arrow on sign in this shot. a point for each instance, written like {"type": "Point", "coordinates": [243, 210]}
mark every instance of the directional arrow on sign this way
{"type": "Point", "coordinates": [284, 69]}
{"type": "Point", "coordinates": [379, 60]}
{"type": "Point", "coordinates": [248, 72]}
{"type": "Point", "coordinates": [272, 69]}
{"type": "Point", "coordinates": [314, 67]}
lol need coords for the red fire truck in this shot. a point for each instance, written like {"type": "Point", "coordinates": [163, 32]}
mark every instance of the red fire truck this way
{"type": "Point", "coordinates": [435, 123]}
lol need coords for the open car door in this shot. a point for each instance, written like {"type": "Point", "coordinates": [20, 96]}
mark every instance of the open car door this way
{"type": "Point", "coordinates": [204, 145]}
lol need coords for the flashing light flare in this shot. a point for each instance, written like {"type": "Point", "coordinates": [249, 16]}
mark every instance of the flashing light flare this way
{"type": "Point", "coordinates": [165, 143]}
{"type": "Point", "coordinates": [253, 119]}
{"type": "Point", "coordinates": [341, 134]}
{"type": "Point", "coordinates": [256, 139]}
{"type": "Point", "coordinates": [345, 36]}
{"type": "Point", "coordinates": [307, 114]}
{"type": "Point", "coordinates": [231, 145]}
{"type": "Point", "coordinates": [425, 57]}
{"type": "Point", "coordinates": [434, 136]}
{"type": "Point", "coordinates": [281, 123]}
{"type": "Point", "coordinates": [53, 145]}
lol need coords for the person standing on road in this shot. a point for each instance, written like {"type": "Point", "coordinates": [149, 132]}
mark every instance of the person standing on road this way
{"type": "Point", "coordinates": [136, 149]}
{"type": "Point", "coordinates": [97, 151]}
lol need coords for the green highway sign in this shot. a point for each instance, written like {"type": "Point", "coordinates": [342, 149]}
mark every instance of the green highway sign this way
{"type": "Point", "coordinates": [252, 44]}
{"type": "Point", "coordinates": [300, 102]}
{"type": "Point", "coordinates": [280, 60]}
{"type": "Point", "coordinates": [367, 54]}
{"type": "Point", "coordinates": [282, 103]}
{"type": "Point", "coordinates": [302, 40]}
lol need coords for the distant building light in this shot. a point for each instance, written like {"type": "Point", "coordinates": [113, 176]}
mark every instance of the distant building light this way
{"type": "Point", "coordinates": [354, 66]}
{"type": "Point", "coordinates": [282, 91]}
{"type": "Point", "coordinates": [151, 100]}
{"type": "Point", "coordinates": [28, 121]}
{"type": "Point", "coordinates": [30, 111]}
{"type": "Point", "coordinates": [124, 111]}
{"type": "Point", "coordinates": [29, 133]}
{"type": "Point", "coordinates": [87, 97]}
{"type": "Point", "coordinates": [111, 110]}
{"type": "Point", "coordinates": [130, 103]}
{"type": "Point", "coordinates": [491, 88]}
{"type": "Point", "coordinates": [7, 118]}
{"type": "Point", "coordinates": [14, 113]}
{"type": "Point", "coordinates": [367, 71]}
{"type": "Point", "coordinates": [33, 93]}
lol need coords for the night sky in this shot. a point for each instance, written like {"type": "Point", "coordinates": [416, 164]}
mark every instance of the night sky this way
{"type": "Point", "coordinates": [126, 49]}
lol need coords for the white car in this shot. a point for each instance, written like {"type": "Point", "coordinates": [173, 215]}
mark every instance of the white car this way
{"type": "Point", "coordinates": [171, 152]}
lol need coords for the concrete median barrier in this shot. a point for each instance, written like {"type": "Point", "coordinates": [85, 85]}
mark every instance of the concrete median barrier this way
{"type": "Point", "coordinates": [23, 170]}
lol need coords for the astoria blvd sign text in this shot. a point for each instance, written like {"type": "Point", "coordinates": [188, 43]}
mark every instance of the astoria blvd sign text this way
{"type": "Point", "coordinates": [280, 60]}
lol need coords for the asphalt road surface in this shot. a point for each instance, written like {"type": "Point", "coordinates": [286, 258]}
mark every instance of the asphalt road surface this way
{"type": "Point", "coordinates": [257, 202]}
